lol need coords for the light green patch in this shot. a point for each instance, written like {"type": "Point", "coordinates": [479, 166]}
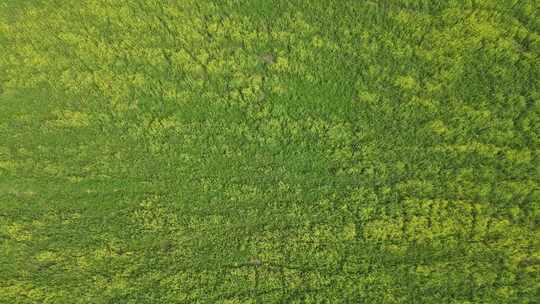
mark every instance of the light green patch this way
{"type": "Point", "coordinates": [47, 257]}
{"type": "Point", "coordinates": [439, 127]}
{"type": "Point", "coordinates": [17, 232]}
{"type": "Point", "coordinates": [349, 232]}
{"type": "Point", "coordinates": [406, 82]}
{"type": "Point", "coordinates": [69, 119]}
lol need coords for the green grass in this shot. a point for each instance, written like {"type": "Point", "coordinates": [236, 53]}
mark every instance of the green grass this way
{"type": "Point", "coordinates": [268, 151]}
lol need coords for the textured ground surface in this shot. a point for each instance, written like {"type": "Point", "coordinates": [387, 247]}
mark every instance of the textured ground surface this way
{"type": "Point", "coordinates": [269, 151]}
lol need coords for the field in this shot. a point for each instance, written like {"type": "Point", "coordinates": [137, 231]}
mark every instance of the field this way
{"type": "Point", "coordinates": [269, 151]}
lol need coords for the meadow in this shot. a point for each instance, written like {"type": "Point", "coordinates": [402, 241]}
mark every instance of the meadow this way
{"type": "Point", "coordinates": [269, 151]}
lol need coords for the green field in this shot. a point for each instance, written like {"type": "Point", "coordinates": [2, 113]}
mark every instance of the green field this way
{"type": "Point", "coordinates": [269, 151]}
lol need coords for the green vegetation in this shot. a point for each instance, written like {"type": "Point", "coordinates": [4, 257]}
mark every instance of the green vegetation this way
{"type": "Point", "coordinates": [269, 151]}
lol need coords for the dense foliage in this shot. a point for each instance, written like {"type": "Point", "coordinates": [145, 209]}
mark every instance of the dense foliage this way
{"type": "Point", "coordinates": [257, 151]}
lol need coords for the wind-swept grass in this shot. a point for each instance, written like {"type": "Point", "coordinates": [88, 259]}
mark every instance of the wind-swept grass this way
{"type": "Point", "coordinates": [269, 151]}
